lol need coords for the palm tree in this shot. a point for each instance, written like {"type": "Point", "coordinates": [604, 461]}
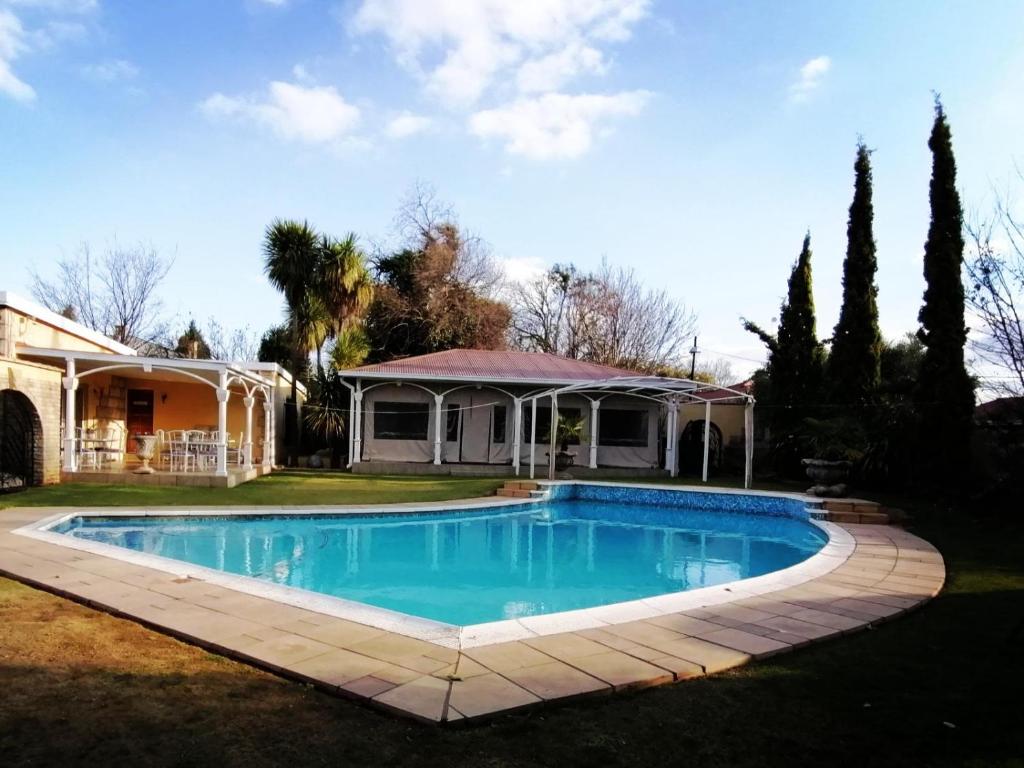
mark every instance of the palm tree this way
{"type": "Point", "coordinates": [291, 252]}
{"type": "Point", "coordinates": [344, 284]}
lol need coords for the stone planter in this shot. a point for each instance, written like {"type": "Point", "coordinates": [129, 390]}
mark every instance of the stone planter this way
{"type": "Point", "coordinates": [830, 477]}
{"type": "Point", "coordinates": [563, 460]}
{"type": "Point", "coordinates": [145, 448]}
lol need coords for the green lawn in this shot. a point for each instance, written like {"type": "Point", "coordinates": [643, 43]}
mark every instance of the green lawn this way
{"type": "Point", "coordinates": [941, 686]}
{"type": "Point", "coordinates": [277, 489]}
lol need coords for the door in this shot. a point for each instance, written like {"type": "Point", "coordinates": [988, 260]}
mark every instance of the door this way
{"type": "Point", "coordinates": [476, 430]}
{"type": "Point", "coordinates": [139, 419]}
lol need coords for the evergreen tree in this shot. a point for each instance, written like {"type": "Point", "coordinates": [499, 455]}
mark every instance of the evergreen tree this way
{"type": "Point", "coordinates": [796, 366]}
{"type": "Point", "coordinates": [191, 343]}
{"type": "Point", "coordinates": [854, 364]}
{"type": "Point", "coordinates": [945, 392]}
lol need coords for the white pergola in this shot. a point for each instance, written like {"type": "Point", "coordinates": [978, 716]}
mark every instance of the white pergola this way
{"type": "Point", "coordinates": [223, 377]}
{"type": "Point", "coordinates": [667, 391]}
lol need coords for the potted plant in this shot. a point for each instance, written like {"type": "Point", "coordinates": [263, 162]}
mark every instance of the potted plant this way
{"type": "Point", "coordinates": [569, 429]}
{"type": "Point", "coordinates": [832, 446]}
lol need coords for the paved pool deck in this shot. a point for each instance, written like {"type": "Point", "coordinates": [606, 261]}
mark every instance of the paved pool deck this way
{"type": "Point", "coordinates": [879, 573]}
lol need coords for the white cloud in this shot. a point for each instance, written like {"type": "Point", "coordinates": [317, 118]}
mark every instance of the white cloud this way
{"type": "Point", "coordinates": [315, 114]}
{"type": "Point", "coordinates": [111, 71]}
{"type": "Point", "coordinates": [407, 124]}
{"type": "Point", "coordinates": [461, 49]}
{"type": "Point", "coordinates": [811, 75]}
{"type": "Point", "coordinates": [554, 125]}
{"type": "Point", "coordinates": [522, 269]}
{"type": "Point", "coordinates": [12, 44]}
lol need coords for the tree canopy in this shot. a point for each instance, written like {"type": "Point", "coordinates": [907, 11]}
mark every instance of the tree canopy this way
{"type": "Point", "coordinates": [854, 362]}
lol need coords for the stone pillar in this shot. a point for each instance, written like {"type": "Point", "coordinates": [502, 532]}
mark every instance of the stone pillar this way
{"type": "Point", "coordinates": [748, 444]}
{"type": "Point", "coordinates": [594, 406]}
{"type": "Point", "coordinates": [553, 446]}
{"type": "Point", "coordinates": [248, 401]}
{"type": "Point", "coordinates": [267, 442]}
{"type": "Point", "coordinates": [517, 422]}
{"type": "Point", "coordinates": [438, 402]}
{"type": "Point", "coordinates": [222, 425]}
{"type": "Point", "coordinates": [70, 441]}
{"type": "Point", "coordinates": [671, 424]}
{"type": "Point", "coordinates": [533, 436]}
{"type": "Point", "coordinates": [357, 427]}
{"type": "Point", "coordinates": [707, 438]}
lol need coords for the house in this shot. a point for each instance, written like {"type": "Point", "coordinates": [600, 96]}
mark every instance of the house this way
{"type": "Point", "coordinates": [444, 411]}
{"type": "Point", "coordinates": [60, 380]}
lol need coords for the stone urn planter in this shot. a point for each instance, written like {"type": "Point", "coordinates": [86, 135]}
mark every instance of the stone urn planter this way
{"type": "Point", "coordinates": [563, 460]}
{"type": "Point", "coordinates": [830, 477]}
{"type": "Point", "coordinates": [145, 447]}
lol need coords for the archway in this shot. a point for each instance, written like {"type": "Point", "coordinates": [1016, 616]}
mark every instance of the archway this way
{"type": "Point", "coordinates": [21, 442]}
{"type": "Point", "coordinates": [691, 448]}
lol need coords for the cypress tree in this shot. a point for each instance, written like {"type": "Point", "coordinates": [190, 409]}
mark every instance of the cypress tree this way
{"type": "Point", "coordinates": [944, 393]}
{"type": "Point", "coordinates": [854, 367]}
{"type": "Point", "coordinates": [796, 365]}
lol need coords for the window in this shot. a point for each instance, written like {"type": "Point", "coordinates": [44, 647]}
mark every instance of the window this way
{"type": "Point", "coordinates": [622, 428]}
{"type": "Point", "coordinates": [400, 421]}
{"type": "Point", "coordinates": [500, 418]}
{"type": "Point", "coordinates": [451, 424]}
{"type": "Point", "coordinates": [544, 422]}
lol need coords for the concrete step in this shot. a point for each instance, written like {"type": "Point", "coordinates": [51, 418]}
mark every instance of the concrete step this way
{"type": "Point", "coordinates": [513, 493]}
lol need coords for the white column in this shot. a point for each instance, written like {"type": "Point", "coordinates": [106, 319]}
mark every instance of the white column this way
{"type": "Point", "coordinates": [533, 436]}
{"type": "Point", "coordinates": [351, 422]}
{"type": "Point", "coordinates": [594, 405]}
{"type": "Point", "coordinates": [70, 443]}
{"type": "Point", "coordinates": [273, 427]}
{"type": "Point", "coordinates": [671, 421]}
{"type": "Point", "coordinates": [553, 429]}
{"type": "Point", "coordinates": [357, 426]}
{"type": "Point", "coordinates": [438, 402]}
{"type": "Point", "coordinates": [248, 401]}
{"type": "Point", "coordinates": [222, 425]}
{"type": "Point", "coordinates": [517, 422]}
{"type": "Point", "coordinates": [748, 443]}
{"type": "Point", "coordinates": [707, 438]}
{"type": "Point", "coordinates": [267, 410]}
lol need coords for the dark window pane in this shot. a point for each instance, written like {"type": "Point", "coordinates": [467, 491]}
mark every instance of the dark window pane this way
{"type": "Point", "coordinates": [451, 424]}
{"type": "Point", "coordinates": [500, 417]}
{"type": "Point", "coordinates": [622, 427]}
{"type": "Point", "coordinates": [544, 422]}
{"type": "Point", "coordinates": [400, 421]}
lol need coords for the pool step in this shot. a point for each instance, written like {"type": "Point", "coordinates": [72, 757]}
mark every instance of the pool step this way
{"type": "Point", "coordinates": [521, 489]}
{"type": "Point", "coordinates": [851, 511]}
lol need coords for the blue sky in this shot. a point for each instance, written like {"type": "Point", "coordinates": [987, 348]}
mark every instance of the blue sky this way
{"type": "Point", "coordinates": [695, 142]}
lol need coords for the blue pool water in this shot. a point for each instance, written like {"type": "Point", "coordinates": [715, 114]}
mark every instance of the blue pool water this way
{"type": "Point", "coordinates": [485, 565]}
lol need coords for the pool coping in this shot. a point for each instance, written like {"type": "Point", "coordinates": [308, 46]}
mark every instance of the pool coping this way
{"type": "Point", "coordinates": [871, 574]}
{"type": "Point", "coordinates": [837, 547]}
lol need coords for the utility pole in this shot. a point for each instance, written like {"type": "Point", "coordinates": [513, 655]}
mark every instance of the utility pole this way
{"type": "Point", "coordinates": [693, 359]}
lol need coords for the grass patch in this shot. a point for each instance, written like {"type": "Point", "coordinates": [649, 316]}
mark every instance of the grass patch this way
{"type": "Point", "coordinates": [277, 489]}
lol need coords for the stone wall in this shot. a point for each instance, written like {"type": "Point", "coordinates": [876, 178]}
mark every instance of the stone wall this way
{"type": "Point", "coordinates": [42, 386]}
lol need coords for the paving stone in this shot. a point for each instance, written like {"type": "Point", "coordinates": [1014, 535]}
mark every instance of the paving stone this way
{"type": "Point", "coordinates": [505, 657]}
{"type": "Point", "coordinates": [797, 627]}
{"type": "Point", "coordinates": [282, 652]}
{"type": "Point", "coordinates": [367, 687]}
{"type": "Point", "coordinates": [487, 694]}
{"type": "Point", "coordinates": [826, 619]}
{"type": "Point", "coordinates": [621, 671]}
{"type": "Point", "coordinates": [556, 680]}
{"type": "Point", "coordinates": [682, 669]}
{"type": "Point", "coordinates": [709, 656]}
{"type": "Point", "coordinates": [338, 632]}
{"type": "Point", "coordinates": [744, 641]}
{"type": "Point", "coordinates": [683, 624]}
{"type": "Point", "coordinates": [337, 667]}
{"type": "Point", "coordinates": [423, 698]}
{"type": "Point", "coordinates": [566, 646]}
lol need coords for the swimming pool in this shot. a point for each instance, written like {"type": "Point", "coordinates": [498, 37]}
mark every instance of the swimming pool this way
{"type": "Point", "coordinates": [585, 546]}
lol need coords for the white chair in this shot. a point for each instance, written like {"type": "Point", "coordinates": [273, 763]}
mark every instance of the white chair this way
{"type": "Point", "coordinates": [236, 454]}
{"type": "Point", "coordinates": [110, 446]}
{"type": "Point", "coordinates": [203, 446]}
{"type": "Point", "coordinates": [85, 448]}
{"type": "Point", "coordinates": [179, 454]}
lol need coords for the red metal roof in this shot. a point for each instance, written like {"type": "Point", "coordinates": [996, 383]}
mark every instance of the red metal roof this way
{"type": "Point", "coordinates": [490, 364]}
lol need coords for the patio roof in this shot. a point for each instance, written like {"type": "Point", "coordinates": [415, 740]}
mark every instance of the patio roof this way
{"type": "Point", "coordinates": [204, 371]}
{"type": "Point", "coordinates": [490, 366]}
